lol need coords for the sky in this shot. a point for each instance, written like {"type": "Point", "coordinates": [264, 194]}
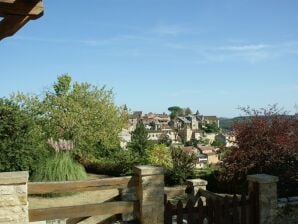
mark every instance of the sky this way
{"type": "Point", "coordinates": [212, 56]}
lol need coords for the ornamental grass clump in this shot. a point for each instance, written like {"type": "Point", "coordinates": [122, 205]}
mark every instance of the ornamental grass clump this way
{"type": "Point", "coordinates": [60, 166]}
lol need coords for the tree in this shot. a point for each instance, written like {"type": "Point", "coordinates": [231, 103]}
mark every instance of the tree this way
{"type": "Point", "coordinates": [175, 112]}
{"type": "Point", "coordinates": [159, 155]}
{"type": "Point", "coordinates": [267, 143]}
{"type": "Point", "coordinates": [139, 140]}
{"type": "Point", "coordinates": [187, 111]}
{"type": "Point", "coordinates": [183, 166]}
{"type": "Point", "coordinates": [79, 112]}
{"type": "Point", "coordinates": [20, 138]}
{"type": "Point", "coordinates": [211, 128]}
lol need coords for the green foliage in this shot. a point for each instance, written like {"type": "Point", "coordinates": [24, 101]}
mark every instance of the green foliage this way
{"type": "Point", "coordinates": [19, 138]}
{"type": "Point", "coordinates": [183, 167]}
{"type": "Point", "coordinates": [187, 111]}
{"type": "Point", "coordinates": [159, 155]}
{"type": "Point", "coordinates": [164, 139]}
{"type": "Point", "coordinates": [211, 128]}
{"type": "Point", "coordinates": [79, 112]}
{"type": "Point", "coordinates": [175, 112]}
{"type": "Point", "coordinates": [119, 162]}
{"type": "Point", "coordinates": [139, 140]}
{"type": "Point", "coordinates": [59, 167]}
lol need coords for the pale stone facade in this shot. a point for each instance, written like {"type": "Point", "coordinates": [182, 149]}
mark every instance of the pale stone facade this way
{"type": "Point", "coordinates": [13, 198]}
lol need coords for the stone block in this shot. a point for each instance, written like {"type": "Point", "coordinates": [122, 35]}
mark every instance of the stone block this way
{"type": "Point", "coordinates": [13, 195]}
{"type": "Point", "coordinates": [8, 178]}
{"type": "Point", "coordinates": [14, 214]}
{"type": "Point", "coordinates": [148, 170]}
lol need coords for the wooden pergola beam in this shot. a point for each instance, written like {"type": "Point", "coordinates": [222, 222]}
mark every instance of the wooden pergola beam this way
{"type": "Point", "coordinates": [21, 8]}
{"type": "Point", "coordinates": [16, 13]}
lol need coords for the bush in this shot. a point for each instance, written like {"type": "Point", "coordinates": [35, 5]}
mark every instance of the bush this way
{"type": "Point", "coordinates": [118, 163]}
{"type": "Point", "coordinates": [267, 143]}
{"type": "Point", "coordinates": [59, 167]}
{"type": "Point", "coordinates": [183, 167]}
{"type": "Point", "coordinates": [159, 155]}
{"type": "Point", "coordinates": [19, 139]}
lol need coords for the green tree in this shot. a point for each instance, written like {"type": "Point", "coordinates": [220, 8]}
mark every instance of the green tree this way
{"type": "Point", "coordinates": [139, 140]}
{"type": "Point", "coordinates": [19, 138]}
{"type": "Point", "coordinates": [183, 166]}
{"type": "Point", "coordinates": [79, 112]}
{"type": "Point", "coordinates": [187, 111]}
{"type": "Point", "coordinates": [159, 155]}
{"type": "Point", "coordinates": [175, 112]}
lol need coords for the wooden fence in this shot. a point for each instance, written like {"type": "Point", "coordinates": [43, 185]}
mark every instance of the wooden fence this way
{"type": "Point", "coordinates": [214, 209]}
{"type": "Point", "coordinates": [78, 211]}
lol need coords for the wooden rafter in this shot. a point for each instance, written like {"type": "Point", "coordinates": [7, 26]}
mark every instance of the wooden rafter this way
{"type": "Point", "coordinates": [17, 13]}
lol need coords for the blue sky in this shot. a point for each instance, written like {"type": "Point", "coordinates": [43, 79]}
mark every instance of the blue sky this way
{"type": "Point", "coordinates": [210, 55]}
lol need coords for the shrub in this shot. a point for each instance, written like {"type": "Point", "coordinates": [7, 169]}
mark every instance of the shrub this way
{"type": "Point", "coordinates": [118, 163]}
{"type": "Point", "coordinates": [159, 155]}
{"type": "Point", "coordinates": [59, 167]}
{"type": "Point", "coordinates": [19, 139]}
{"type": "Point", "coordinates": [183, 167]}
{"type": "Point", "coordinates": [267, 143]}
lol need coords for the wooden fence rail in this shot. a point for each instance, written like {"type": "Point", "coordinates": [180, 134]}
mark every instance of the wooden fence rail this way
{"type": "Point", "coordinates": [78, 186]}
{"type": "Point", "coordinates": [86, 210]}
{"type": "Point", "coordinates": [107, 208]}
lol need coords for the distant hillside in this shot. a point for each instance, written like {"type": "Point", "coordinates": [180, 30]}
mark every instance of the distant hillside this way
{"type": "Point", "coordinates": [227, 123]}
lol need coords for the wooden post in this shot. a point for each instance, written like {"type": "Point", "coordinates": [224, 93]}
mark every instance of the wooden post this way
{"type": "Point", "coordinates": [13, 198]}
{"type": "Point", "coordinates": [150, 193]}
{"type": "Point", "coordinates": [267, 198]}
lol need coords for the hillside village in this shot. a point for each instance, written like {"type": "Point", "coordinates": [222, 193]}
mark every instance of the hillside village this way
{"type": "Point", "coordinates": [194, 133]}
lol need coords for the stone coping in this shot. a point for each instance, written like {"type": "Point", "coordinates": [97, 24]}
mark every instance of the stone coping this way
{"type": "Point", "coordinates": [148, 170]}
{"type": "Point", "coordinates": [262, 178]}
{"type": "Point", "coordinates": [197, 182]}
{"type": "Point", "coordinates": [19, 177]}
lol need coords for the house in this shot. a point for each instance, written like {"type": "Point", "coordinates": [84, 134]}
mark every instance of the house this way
{"type": "Point", "coordinates": [125, 138]}
{"type": "Point", "coordinates": [210, 120]}
{"type": "Point", "coordinates": [202, 160]}
{"type": "Point", "coordinates": [190, 150]}
{"type": "Point", "coordinates": [154, 135]}
{"type": "Point", "coordinates": [194, 124]}
{"type": "Point", "coordinates": [211, 154]}
{"type": "Point", "coordinates": [182, 122]}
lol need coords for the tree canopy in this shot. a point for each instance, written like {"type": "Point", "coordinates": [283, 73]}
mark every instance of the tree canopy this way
{"type": "Point", "coordinates": [80, 112]}
{"type": "Point", "coordinates": [20, 144]}
{"type": "Point", "coordinates": [175, 112]}
{"type": "Point", "coordinates": [266, 143]}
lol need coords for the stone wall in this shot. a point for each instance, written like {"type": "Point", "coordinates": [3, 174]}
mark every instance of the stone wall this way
{"type": "Point", "coordinates": [13, 198]}
{"type": "Point", "coordinates": [287, 211]}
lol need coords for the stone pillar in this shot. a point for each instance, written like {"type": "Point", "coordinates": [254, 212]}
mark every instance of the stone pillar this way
{"type": "Point", "coordinates": [267, 196]}
{"type": "Point", "coordinates": [13, 198]}
{"type": "Point", "coordinates": [150, 193]}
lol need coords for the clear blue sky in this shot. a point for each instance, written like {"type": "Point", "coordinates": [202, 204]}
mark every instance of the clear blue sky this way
{"type": "Point", "coordinates": [209, 55]}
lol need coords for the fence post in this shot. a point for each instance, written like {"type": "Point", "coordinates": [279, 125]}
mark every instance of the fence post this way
{"type": "Point", "coordinates": [267, 199]}
{"type": "Point", "coordinates": [150, 193]}
{"type": "Point", "coordinates": [13, 198]}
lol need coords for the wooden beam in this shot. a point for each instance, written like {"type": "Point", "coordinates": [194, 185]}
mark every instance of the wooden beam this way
{"type": "Point", "coordinates": [78, 186]}
{"type": "Point", "coordinates": [32, 8]}
{"type": "Point", "coordinates": [108, 208]}
{"type": "Point", "coordinates": [9, 25]}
